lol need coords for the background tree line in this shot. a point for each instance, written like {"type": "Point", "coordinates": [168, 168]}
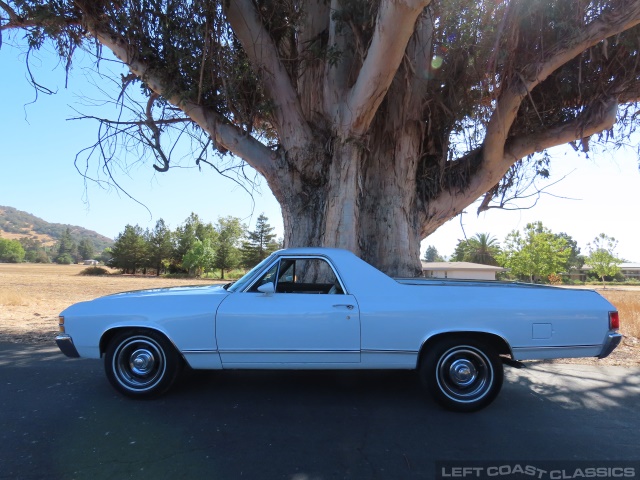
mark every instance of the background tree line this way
{"type": "Point", "coordinates": [536, 254]}
{"type": "Point", "coordinates": [194, 248]}
{"type": "Point", "coordinates": [65, 251]}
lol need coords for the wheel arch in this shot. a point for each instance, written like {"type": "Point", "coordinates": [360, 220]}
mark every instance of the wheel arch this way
{"type": "Point", "coordinates": [494, 340]}
{"type": "Point", "coordinates": [109, 334]}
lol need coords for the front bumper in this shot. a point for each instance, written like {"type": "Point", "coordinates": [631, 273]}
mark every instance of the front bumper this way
{"type": "Point", "coordinates": [610, 343]}
{"type": "Point", "coordinates": [66, 346]}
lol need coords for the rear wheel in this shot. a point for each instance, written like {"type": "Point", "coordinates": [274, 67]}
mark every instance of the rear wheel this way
{"type": "Point", "coordinates": [141, 364]}
{"type": "Point", "coordinates": [462, 374]}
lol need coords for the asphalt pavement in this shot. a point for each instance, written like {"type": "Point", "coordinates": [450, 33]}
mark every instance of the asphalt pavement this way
{"type": "Point", "coordinates": [60, 419]}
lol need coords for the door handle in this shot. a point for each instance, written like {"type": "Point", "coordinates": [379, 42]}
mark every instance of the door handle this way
{"type": "Point", "coordinates": [350, 307]}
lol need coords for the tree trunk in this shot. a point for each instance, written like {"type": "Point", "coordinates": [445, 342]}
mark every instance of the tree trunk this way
{"type": "Point", "coordinates": [365, 202]}
{"type": "Point", "coordinates": [342, 228]}
{"type": "Point", "coordinates": [390, 228]}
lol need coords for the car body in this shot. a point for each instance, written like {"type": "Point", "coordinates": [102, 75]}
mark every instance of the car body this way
{"type": "Point", "coordinates": [320, 308]}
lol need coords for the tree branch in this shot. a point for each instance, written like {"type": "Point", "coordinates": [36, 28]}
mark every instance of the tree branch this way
{"type": "Point", "coordinates": [502, 119]}
{"type": "Point", "coordinates": [16, 21]}
{"type": "Point", "coordinates": [259, 47]}
{"type": "Point", "coordinates": [231, 137]}
{"type": "Point", "coordinates": [419, 50]}
{"type": "Point", "coordinates": [166, 121]}
{"type": "Point", "coordinates": [593, 120]}
{"type": "Point", "coordinates": [518, 195]}
{"type": "Point", "coordinates": [312, 36]}
{"type": "Point", "coordinates": [394, 27]}
{"type": "Point", "coordinates": [13, 16]}
{"type": "Point", "coordinates": [498, 154]}
{"type": "Point", "coordinates": [630, 96]}
{"type": "Point", "coordinates": [337, 72]}
{"type": "Point", "coordinates": [450, 203]}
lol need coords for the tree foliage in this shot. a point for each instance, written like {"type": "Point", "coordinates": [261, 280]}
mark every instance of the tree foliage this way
{"type": "Point", "coordinates": [535, 254]}
{"type": "Point", "coordinates": [373, 122]}
{"type": "Point", "coordinates": [481, 248]}
{"type": "Point", "coordinates": [432, 255]}
{"type": "Point", "coordinates": [67, 251]}
{"type": "Point", "coordinates": [35, 251]}
{"type": "Point", "coordinates": [230, 231]}
{"type": "Point", "coordinates": [160, 246]}
{"type": "Point", "coordinates": [11, 251]}
{"type": "Point", "coordinates": [575, 260]}
{"type": "Point", "coordinates": [200, 258]}
{"type": "Point", "coordinates": [186, 235]}
{"type": "Point", "coordinates": [129, 252]}
{"type": "Point", "coordinates": [220, 246]}
{"type": "Point", "coordinates": [259, 243]}
{"type": "Point", "coordinates": [86, 249]}
{"type": "Point", "coordinates": [602, 258]}
{"type": "Point", "coordinates": [65, 259]}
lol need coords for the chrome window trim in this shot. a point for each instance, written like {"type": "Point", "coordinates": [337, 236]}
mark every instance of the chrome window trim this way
{"type": "Point", "coordinates": [298, 257]}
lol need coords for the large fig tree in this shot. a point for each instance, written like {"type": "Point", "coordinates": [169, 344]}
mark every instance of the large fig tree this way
{"type": "Point", "coordinates": [372, 121]}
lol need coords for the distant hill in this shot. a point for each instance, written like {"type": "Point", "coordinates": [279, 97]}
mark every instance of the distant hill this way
{"type": "Point", "coordinates": [15, 224]}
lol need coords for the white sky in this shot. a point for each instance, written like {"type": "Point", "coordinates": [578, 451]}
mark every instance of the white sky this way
{"type": "Point", "coordinates": [37, 175]}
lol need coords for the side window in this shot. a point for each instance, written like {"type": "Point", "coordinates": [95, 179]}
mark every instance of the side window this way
{"type": "Point", "coordinates": [302, 275]}
{"type": "Point", "coordinates": [269, 277]}
{"type": "Point", "coordinates": [288, 271]}
{"type": "Point", "coordinates": [307, 275]}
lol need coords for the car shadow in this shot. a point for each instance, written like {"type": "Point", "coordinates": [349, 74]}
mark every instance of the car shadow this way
{"type": "Point", "coordinates": [303, 385]}
{"type": "Point", "coordinates": [575, 387]}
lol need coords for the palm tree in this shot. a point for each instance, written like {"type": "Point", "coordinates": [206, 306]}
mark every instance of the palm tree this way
{"type": "Point", "coordinates": [482, 248]}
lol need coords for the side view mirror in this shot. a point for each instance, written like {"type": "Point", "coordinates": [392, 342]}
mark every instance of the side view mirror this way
{"type": "Point", "coordinates": [267, 288]}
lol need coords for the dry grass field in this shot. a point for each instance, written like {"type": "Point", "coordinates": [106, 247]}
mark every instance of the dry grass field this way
{"type": "Point", "coordinates": [32, 295]}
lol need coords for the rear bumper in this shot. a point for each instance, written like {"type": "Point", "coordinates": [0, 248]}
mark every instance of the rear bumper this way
{"type": "Point", "coordinates": [610, 343]}
{"type": "Point", "coordinates": [66, 346]}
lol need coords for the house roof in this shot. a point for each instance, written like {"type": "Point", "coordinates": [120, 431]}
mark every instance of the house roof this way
{"type": "Point", "coordinates": [623, 266]}
{"type": "Point", "coordinates": [447, 266]}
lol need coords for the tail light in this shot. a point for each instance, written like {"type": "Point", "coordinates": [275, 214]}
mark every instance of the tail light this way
{"type": "Point", "coordinates": [614, 321]}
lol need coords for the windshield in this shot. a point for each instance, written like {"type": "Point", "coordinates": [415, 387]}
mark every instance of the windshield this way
{"type": "Point", "coordinates": [247, 277]}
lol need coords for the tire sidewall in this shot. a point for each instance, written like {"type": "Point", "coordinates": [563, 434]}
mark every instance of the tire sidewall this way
{"type": "Point", "coordinates": [169, 369]}
{"type": "Point", "coordinates": [429, 376]}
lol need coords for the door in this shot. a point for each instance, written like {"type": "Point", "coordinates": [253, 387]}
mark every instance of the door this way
{"type": "Point", "coordinates": [304, 318]}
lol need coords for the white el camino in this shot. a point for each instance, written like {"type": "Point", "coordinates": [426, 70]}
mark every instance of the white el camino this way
{"type": "Point", "coordinates": [319, 308]}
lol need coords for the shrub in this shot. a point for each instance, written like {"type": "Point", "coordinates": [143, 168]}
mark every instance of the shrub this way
{"type": "Point", "coordinates": [94, 271]}
{"type": "Point", "coordinates": [555, 279]}
{"type": "Point", "coordinates": [11, 251]}
{"type": "Point", "coordinates": [65, 259]}
{"type": "Point", "coordinates": [229, 275]}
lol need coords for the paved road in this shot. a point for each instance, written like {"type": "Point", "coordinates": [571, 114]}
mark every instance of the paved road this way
{"type": "Point", "coordinates": [60, 419]}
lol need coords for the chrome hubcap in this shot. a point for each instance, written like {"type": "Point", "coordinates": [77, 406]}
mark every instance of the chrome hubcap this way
{"type": "Point", "coordinates": [463, 372]}
{"type": "Point", "coordinates": [141, 362]}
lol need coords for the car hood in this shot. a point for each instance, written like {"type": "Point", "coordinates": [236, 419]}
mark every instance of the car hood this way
{"type": "Point", "coordinates": [140, 300]}
{"type": "Point", "coordinates": [153, 292]}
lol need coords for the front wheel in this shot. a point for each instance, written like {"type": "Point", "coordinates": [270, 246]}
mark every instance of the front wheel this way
{"type": "Point", "coordinates": [141, 364]}
{"type": "Point", "coordinates": [461, 374]}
